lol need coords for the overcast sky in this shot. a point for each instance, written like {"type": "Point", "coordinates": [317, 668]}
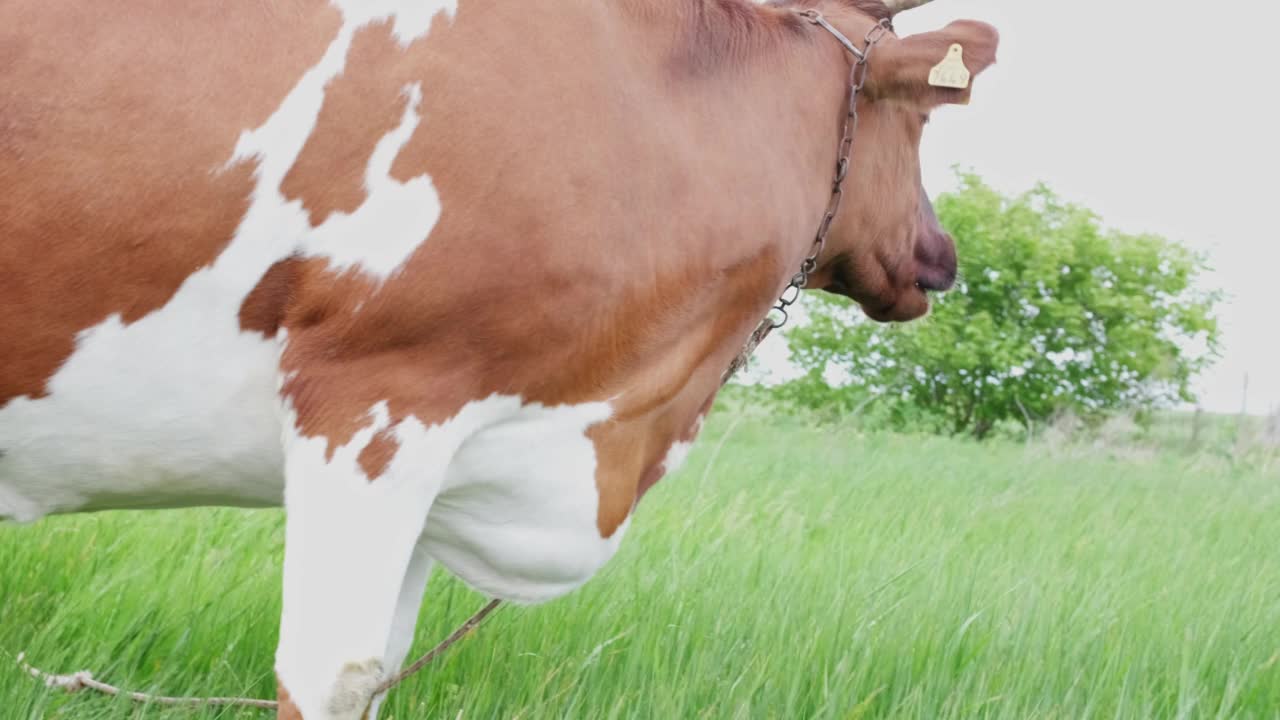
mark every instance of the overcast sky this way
{"type": "Point", "coordinates": [1160, 115]}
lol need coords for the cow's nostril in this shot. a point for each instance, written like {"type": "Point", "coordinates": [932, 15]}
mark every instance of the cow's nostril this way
{"type": "Point", "coordinates": [935, 278]}
{"type": "Point", "coordinates": [936, 265]}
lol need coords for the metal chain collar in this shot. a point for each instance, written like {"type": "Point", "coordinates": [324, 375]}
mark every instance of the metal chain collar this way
{"type": "Point", "coordinates": [778, 314]}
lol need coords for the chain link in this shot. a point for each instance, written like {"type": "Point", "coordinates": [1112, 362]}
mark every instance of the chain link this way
{"type": "Point", "coordinates": [844, 155]}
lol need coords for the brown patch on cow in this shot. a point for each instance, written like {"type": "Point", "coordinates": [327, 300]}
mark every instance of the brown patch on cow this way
{"type": "Point", "coordinates": [113, 162]}
{"type": "Point", "coordinates": [264, 307]}
{"type": "Point", "coordinates": [285, 708]}
{"type": "Point", "coordinates": [359, 109]}
{"type": "Point", "coordinates": [377, 455]}
{"type": "Point", "coordinates": [322, 390]}
{"type": "Point", "coordinates": [648, 480]}
{"type": "Point", "coordinates": [667, 402]}
{"type": "Point", "coordinates": [658, 470]}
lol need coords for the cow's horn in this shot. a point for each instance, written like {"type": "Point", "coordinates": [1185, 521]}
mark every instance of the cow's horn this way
{"type": "Point", "coordinates": [897, 6]}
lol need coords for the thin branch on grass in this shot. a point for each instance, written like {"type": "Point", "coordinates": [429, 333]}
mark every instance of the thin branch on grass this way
{"type": "Point", "coordinates": [454, 637]}
{"type": "Point", "coordinates": [84, 680]}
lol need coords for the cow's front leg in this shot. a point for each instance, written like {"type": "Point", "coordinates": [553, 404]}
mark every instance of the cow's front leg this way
{"type": "Point", "coordinates": [353, 571]}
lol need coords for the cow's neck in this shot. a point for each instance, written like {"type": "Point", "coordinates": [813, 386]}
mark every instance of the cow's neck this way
{"type": "Point", "coordinates": [750, 139]}
{"type": "Point", "coordinates": [765, 100]}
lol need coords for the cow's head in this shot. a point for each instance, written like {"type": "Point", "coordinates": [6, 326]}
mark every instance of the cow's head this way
{"type": "Point", "coordinates": [886, 249]}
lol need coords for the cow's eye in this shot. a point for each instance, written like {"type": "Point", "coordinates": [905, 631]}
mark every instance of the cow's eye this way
{"type": "Point", "coordinates": [924, 118]}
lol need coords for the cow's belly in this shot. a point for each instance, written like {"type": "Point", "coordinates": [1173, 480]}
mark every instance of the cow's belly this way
{"type": "Point", "coordinates": [175, 410]}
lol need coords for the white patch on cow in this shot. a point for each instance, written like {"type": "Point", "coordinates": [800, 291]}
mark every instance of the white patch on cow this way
{"type": "Point", "coordinates": [175, 409]}
{"type": "Point", "coordinates": [517, 514]}
{"type": "Point", "coordinates": [676, 455]}
{"type": "Point", "coordinates": [505, 491]}
{"type": "Point", "coordinates": [411, 20]}
{"type": "Point", "coordinates": [17, 507]}
{"type": "Point", "coordinates": [179, 408]}
{"type": "Point", "coordinates": [379, 236]}
{"type": "Point", "coordinates": [680, 449]}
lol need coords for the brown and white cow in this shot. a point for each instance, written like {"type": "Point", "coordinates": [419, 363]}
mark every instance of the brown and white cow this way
{"type": "Point", "coordinates": [453, 281]}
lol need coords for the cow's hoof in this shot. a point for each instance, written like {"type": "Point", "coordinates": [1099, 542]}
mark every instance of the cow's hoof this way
{"type": "Point", "coordinates": [353, 691]}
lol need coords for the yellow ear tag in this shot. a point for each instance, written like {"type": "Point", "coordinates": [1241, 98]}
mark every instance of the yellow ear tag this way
{"type": "Point", "coordinates": [951, 72]}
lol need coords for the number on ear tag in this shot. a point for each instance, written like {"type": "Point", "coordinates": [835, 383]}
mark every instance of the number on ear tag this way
{"type": "Point", "coordinates": [951, 72]}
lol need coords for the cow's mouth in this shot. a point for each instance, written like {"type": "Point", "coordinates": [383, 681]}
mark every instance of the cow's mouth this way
{"type": "Point", "coordinates": [906, 305]}
{"type": "Point", "coordinates": [889, 301]}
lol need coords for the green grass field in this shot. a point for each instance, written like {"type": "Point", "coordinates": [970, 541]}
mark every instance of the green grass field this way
{"type": "Point", "coordinates": [800, 573]}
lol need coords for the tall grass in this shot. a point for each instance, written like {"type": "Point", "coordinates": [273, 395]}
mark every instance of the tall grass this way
{"type": "Point", "coordinates": [810, 573]}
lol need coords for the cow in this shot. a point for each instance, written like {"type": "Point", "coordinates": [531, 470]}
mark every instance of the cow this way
{"type": "Point", "coordinates": [454, 281]}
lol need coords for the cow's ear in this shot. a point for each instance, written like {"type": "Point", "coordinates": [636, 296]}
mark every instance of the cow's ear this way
{"type": "Point", "coordinates": [934, 68]}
